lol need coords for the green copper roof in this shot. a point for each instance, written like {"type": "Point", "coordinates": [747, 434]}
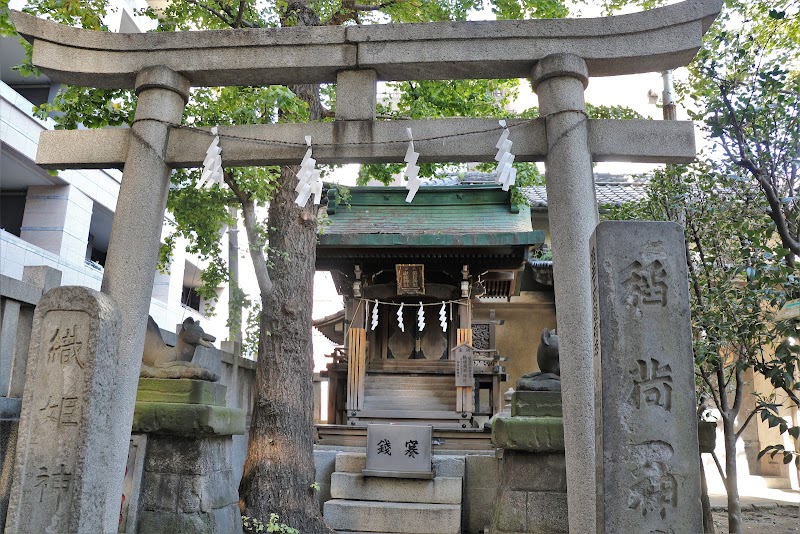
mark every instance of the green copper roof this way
{"type": "Point", "coordinates": [465, 216]}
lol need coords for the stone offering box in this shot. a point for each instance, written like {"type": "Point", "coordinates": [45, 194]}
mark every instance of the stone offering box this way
{"type": "Point", "coordinates": [399, 451]}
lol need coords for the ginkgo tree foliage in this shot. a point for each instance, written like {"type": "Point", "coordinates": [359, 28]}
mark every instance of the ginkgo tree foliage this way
{"type": "Point", "coordinates": [279, 469]}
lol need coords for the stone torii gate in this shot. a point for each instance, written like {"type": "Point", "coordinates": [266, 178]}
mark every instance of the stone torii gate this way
{"type": "Point", "coordinates": [559, 56]}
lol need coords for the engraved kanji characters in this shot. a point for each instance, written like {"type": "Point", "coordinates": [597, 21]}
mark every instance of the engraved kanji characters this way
{"type": "Point", "coordinates": [65, 347]}
{"type": "Point", "coordinates": [646, 284]}
{"type": "Point", "coordinates": [64, 411]}
{"type": "Point", "coordinates": [654, 488]}
{"type": "Point", "coordinates": [56, 480]}
{"type": "Point", "coordinates": [652, 384]}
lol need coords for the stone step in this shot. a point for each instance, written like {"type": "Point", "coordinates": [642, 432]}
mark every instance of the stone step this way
{"type": "Point", "coordinates": [400, 518]}
{"type": "Point", "coordinates": [443, 465]}
{"type": "Point", "coordinates": [352, 486]}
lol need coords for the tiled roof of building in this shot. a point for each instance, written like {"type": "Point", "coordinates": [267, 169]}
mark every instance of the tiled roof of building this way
{"type": "Point", "coordinates": [467, 215]}
{"type": "Point", "coordinates": [608, 194]}
{"type": "Point", "coordinates": [611, 189]}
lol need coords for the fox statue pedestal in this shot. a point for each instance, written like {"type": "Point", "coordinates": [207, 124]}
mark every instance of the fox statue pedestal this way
{"type": "Point", "coordinates": [187, 484]}
{"type": "Point", "coordinates": [532, 496]}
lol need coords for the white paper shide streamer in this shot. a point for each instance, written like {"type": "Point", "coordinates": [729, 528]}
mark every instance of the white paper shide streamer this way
{"type": "Point", "coordinates": [309, 181]}
{"type": "Point", "coordinates": [412, 169]}
{"type": "Point", "coordinates": [421, 318]}
{"type": "Point", "coordinates": [506, 173]}
{"type": "Point", "coordinates": [443, 317]}
{"type": "Point", "coordinates": [212, 165]}
{"type": "Point", "coordinates": [400, 319]}
{"type": "Point", "coordinates": [375, 316]}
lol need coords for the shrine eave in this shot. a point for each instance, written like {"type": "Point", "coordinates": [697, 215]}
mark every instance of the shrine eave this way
{"type": "Point", "coordinates": [533, 237]}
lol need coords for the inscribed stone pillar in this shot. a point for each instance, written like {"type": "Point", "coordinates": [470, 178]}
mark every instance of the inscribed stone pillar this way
{"type": "Point", "coordinates": [559, 81]}
{"type": "Point", "coordinates": [133, 249]}
{"type": "Point", "coordinates": [649, 473]}
{"type": "Point", "coordinates": [63, 457]}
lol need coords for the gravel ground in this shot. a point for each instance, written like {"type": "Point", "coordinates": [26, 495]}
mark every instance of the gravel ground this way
{"type": "Point", "coordinates": [762, 519]}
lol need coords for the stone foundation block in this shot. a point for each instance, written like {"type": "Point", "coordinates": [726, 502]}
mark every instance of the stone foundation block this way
{"type": "Point", "coordinates": [191, 420]}
{"type": "Point", "coordinates": [351, 462]}
{"type": "Point", "coordinates": [536, 404]}
{"type": "Point", "coordinates": [221, 521]}
{"type": "Point", "coordinates": [185, 456]}
{"type": "Point", "coordinates": [531, 512]}
{"type": "Point", "coordinates": [188, 486]}
{"type": "Point", "coordinates": [371, 516]}
{"type": "Point", "coordinates": [324, 464]}
{"type": "Point", "coordinates": [440, 490]}
{"type": "Point", "coordinates": [355, 462]}
{"type": "Point", "coordinates": [183, 391]}
{"type": "Point", "coordinates": [534, 471]}
{"type": "Point", "coordinates": [510, 514]}
{"type": "Point", "coordinates": [546, 512]}
{"type": "Point", "coordinates": [480, 487]}
{"type": "Point", "coordinates": [448, 466]}
{"type": "Point", "coordinates": [528, 433]}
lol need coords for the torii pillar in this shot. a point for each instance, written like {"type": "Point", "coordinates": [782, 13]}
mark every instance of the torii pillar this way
{"type": "Point", "coordinates": [135, 242]}
{"type": "Point", "coordinates": [559, 81]}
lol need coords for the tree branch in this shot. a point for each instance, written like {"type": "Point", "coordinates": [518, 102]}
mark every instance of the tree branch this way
{"type": "Point", "coordinates": [711, 389]}
{"type": "Point", "coordinates": [744, 161]}
{"type": "Point", "coordinates": [254, 239]}
{"type": "Point", "coordinates": [349, 10]}
{"type": "Point", "coordinates": [240, 14]}
{"type": "Point", "coordinates": [746, 421]}
{"type": "Point", "coordinates": [719, 467]}
{"type": "Point", "coordinates": [210, 9]}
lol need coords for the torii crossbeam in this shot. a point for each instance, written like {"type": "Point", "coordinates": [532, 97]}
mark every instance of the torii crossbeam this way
{"type": "Point", "coordinates": [558, 55]}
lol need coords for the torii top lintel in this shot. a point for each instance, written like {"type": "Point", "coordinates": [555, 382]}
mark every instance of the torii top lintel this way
{"type": "Point", "coordinates": [649, 41]}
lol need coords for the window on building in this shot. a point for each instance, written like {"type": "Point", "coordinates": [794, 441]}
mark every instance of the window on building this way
{"type": "Point", "coordinates": [12, 208]}
{"type": "Point", "coordinates": [99, 235]}
{"type": "Point", "coordinates": [190, 298]}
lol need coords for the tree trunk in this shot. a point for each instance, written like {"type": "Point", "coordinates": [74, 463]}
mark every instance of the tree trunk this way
{"type": "Point", "coordinates": [279, 468]}
{"type": "Point", "coordinates": [731, 481]}
{"type": "Point", "coordinates": [708, 518]}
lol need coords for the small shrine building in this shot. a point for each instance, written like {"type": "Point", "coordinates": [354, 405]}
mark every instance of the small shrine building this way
{"type": "Point", "coordinates": [463, 254]}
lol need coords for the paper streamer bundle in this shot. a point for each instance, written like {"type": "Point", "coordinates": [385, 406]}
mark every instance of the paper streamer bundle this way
{"type": "Point", "coordinates": [309, 181]}
{"type": "Point", "coordinates": [400, 319]}
{"type": "Point", "coordinates": [443, 317]}
{"type": "Point", "coordinates": [412, 169]}
{"type": "Point", "coordinates": [421, 318]}
{"type": "Point", "coordinates": [506, 173]}
{"type": "Point", "coordinates": [212, 165]}
{"type": "Point", "coordinates": [375, 316]}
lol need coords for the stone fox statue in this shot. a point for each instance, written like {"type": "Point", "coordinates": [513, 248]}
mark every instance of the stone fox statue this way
{"type": "Point", "coordinates": [159, 360]}
{"type": "Point", "coordinates": [548, 377]}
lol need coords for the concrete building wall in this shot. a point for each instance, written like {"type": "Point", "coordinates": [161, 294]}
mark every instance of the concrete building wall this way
{"type": "Point", "coordinates": [57, 215]}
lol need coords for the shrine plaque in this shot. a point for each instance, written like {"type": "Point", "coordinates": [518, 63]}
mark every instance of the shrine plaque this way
{"type": "Point", "coordinates": [463, 357]}
{"type": "Point", "coordinates": [410, 278]}
{"type": "Point", "coordinates": [399, 451]}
